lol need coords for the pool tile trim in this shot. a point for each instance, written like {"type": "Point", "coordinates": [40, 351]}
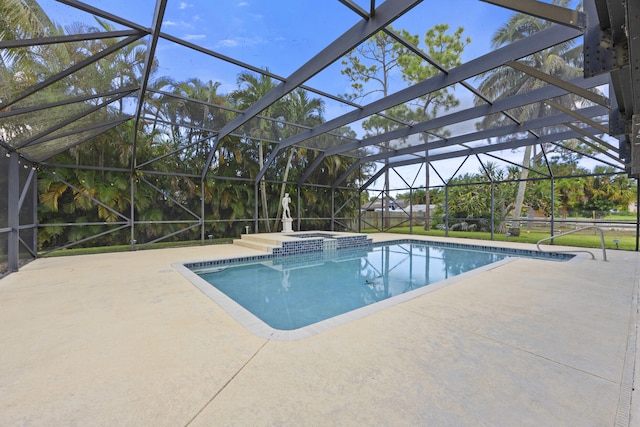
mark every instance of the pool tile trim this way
{"type": "Point", "coordinates": [259, 328]}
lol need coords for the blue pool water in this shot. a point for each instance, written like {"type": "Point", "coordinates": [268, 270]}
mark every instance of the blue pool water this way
{"type": "Point", "coordinates": [292, 292]}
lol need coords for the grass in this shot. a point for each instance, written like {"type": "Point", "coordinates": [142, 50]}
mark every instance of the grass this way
{"type": "Point", "coordinates": [585, 239]}
{"type": "Point", "coordinates": [126, 248]}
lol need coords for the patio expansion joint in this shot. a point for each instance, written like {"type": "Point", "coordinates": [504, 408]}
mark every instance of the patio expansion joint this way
{"type": "Point", "coordinates": [625, 398]}
{"type": "Point", "coordinates": [226, 384]}
{"type": "Point", "coordinates": [533, 353]}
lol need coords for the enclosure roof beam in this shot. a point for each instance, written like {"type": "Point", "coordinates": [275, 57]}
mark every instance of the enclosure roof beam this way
{"type": "Point", "coordinates": [598, 99]}
{"type": "Point", "coordinates": [357, 9]}
{"type": "Point", "coordinates": [9, 113]}
{"type": "Point", "coordinates": [539, 41]}
{"type": "Point", "coordinates": [42, 41]}
{"type": "Point", "coordinates": [502, 131]}
{"type": "Point", "coordinates": [84, 129]}
{"type": "Point", "coordinates": [564, 147]}
{"type": "Point", "coordinates": [373, 178]}
{"type": "Point", "coordinates": [235, 110]}
{"type": "Point", "coordinates": [577, 116]}
{"type": "Point", "coordinates": [103, 126]}
{"type": "Point", "coordinates": [472, 113]}
{"type": "Point", "coordinates": [158, 15]}
{"type": "Point", "coordinates": [102, 14]}
{"type": "Point", "coordinates": [386, 13]}
{"type": "Point", "coordinates": [40, 137]}
{"type": "Point", "coordinates": [416, 50]}
{"type": "Point", "coordinates": [268, 73]}
{"type": "Point", "coordinates": [549, 12]}
{"type": "Point", "coordinates": [78, 66]}
{"type": "Point", "coordinates": [476, 136]}
{"type": "Point", "coordinates": [595, 138]}
{"type": "Point", "coordinates": [509, 145]}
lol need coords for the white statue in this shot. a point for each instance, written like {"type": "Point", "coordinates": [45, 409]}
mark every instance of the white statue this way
{"type": "Point", "coordinates": [286, 213]}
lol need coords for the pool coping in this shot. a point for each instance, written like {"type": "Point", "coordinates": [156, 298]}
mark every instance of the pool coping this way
{"type": "Point", "coordinates": [259, 328]}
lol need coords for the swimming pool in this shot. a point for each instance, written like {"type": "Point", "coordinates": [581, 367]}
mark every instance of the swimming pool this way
{"type": "Point", "coordinates": [300, 295]}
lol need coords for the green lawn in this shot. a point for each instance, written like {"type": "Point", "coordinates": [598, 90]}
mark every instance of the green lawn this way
{"type": "Point", "coordinates": [125, 248]}
{"type": "Point", "coordinates": [585, 239]}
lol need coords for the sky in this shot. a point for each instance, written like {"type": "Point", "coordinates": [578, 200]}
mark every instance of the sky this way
{"type": "Point", "coordinates": [279, 34]}
{"type": "Point", "coordinates": [283, 35]}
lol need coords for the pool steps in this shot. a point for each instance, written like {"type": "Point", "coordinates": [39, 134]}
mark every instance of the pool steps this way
{"type": "Point", "coordinates": [254, 241]}
{"type": "Point", "coordinates": [302, 242]}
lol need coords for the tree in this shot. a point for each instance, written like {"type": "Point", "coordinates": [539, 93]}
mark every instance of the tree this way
{"type": "Point", "coordinates": [302, 110]}
{"type": "Point", "coordinates": [470, 197]}
{"type": "Point", "coordinates": [605, 192]}
{"type": "Point", "coordinates": [446, 51]}
{"type": "Point", "coordinates": [252, 88]}
{"type": "Point", "coordinates": [370, 68]}
{"type": "Point", "coordinates": [563, 61]}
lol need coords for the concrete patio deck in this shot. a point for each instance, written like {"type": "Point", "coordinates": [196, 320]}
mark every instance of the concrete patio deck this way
{"type": "Point", "coordinates": [124, 339]}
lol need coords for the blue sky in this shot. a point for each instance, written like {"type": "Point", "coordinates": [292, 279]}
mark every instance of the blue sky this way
{"type": "Point", "coordinates": [283, 35]}
{"type": "Point", "coordinates": [280, 34]}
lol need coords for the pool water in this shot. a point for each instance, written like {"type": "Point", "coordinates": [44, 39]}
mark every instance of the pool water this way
{"type": "Point", "coordinates": [292, 292]}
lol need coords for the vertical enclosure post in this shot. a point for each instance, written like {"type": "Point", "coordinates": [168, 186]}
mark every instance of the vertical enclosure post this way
{"type": "Point", "coordinates": [446, 210]}
{"type": "Point", "coordinates": [13, 217]}
{"type": "Point", "coordinates": [256, 226]}
{"type": "Point", "coordinates": [411, 211]}
{"type": "Point", "coordinates": [637, 212]}
{"type": "Point", "coordinates": [333, 209]}
{"type": "Point", "coordinates": [35, 212]}
{"type": "Point", "coordinates": [427, 197]}
{"type": "Point", "coordinates": [132, 237]}
{"type": "Point", "coordinates": [359, 210]}
{"type": "Point", "coordinates": [493, 208]}
{"type": "Point", "coordinates": [298, 208]}
{"type": "Point", "coordinates": [553, 206]}
{"type": "Point", "coordinates": [202, 211]}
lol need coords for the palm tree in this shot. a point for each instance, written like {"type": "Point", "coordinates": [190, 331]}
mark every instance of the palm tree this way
{"type": "Point", "coordinates": [301, 110]}
{"type": "Point", "coordinates": [22, 19]}
{"type": "Point", "coordinates": [562, 61]}
{"type": "Point", "coordinates": [252, 88]}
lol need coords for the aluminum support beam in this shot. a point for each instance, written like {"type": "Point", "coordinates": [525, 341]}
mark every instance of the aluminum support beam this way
{"type": "Point", "coordinates": [468, 114]}
{"type": "Point", "coordinates": [475, 136]}
{"type": "Point", "coordinates": [592, 96]}
{"type": "Point", "coordinates": [34, 139]}
{"type": "Point", "coordinates": [102, 14]}
{"type": "Point", "coordinates": [104, 127]}
{"type": "Point", "coordinates": [158, 15]}
{"type": "Point", "coordinates": [15, 112]}
{"type": "Point", "coordinates": [11, 44]}
{"type": "Point", "coordinates": [386, 13]}
{"type": "Point", "coordinates": [546, 11]}
{"type": "Point", "coordinates": [496, 147]}
{"type": "Point", "coordinates": [13, 216]}
{"type": "Point", "coordinates": [577, 116]}
{"type": "Point", "coordinates": [539, 41]}
{"type": "Point", "coordinates": [78, 66]}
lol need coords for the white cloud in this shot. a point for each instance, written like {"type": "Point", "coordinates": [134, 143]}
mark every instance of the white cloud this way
{"type": "Point", "coordinates": [227, 43]}
{"type": "Point", "coordinates": [241, 41]}
{"type": "Point", "coordinates": [194, 36]}
{"type": "Point", "coordinates": [243, 4]}
{"type": "Point", "coordinates": [182, 24]}
{"type": "Point", "coordinates": [183, 5]}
